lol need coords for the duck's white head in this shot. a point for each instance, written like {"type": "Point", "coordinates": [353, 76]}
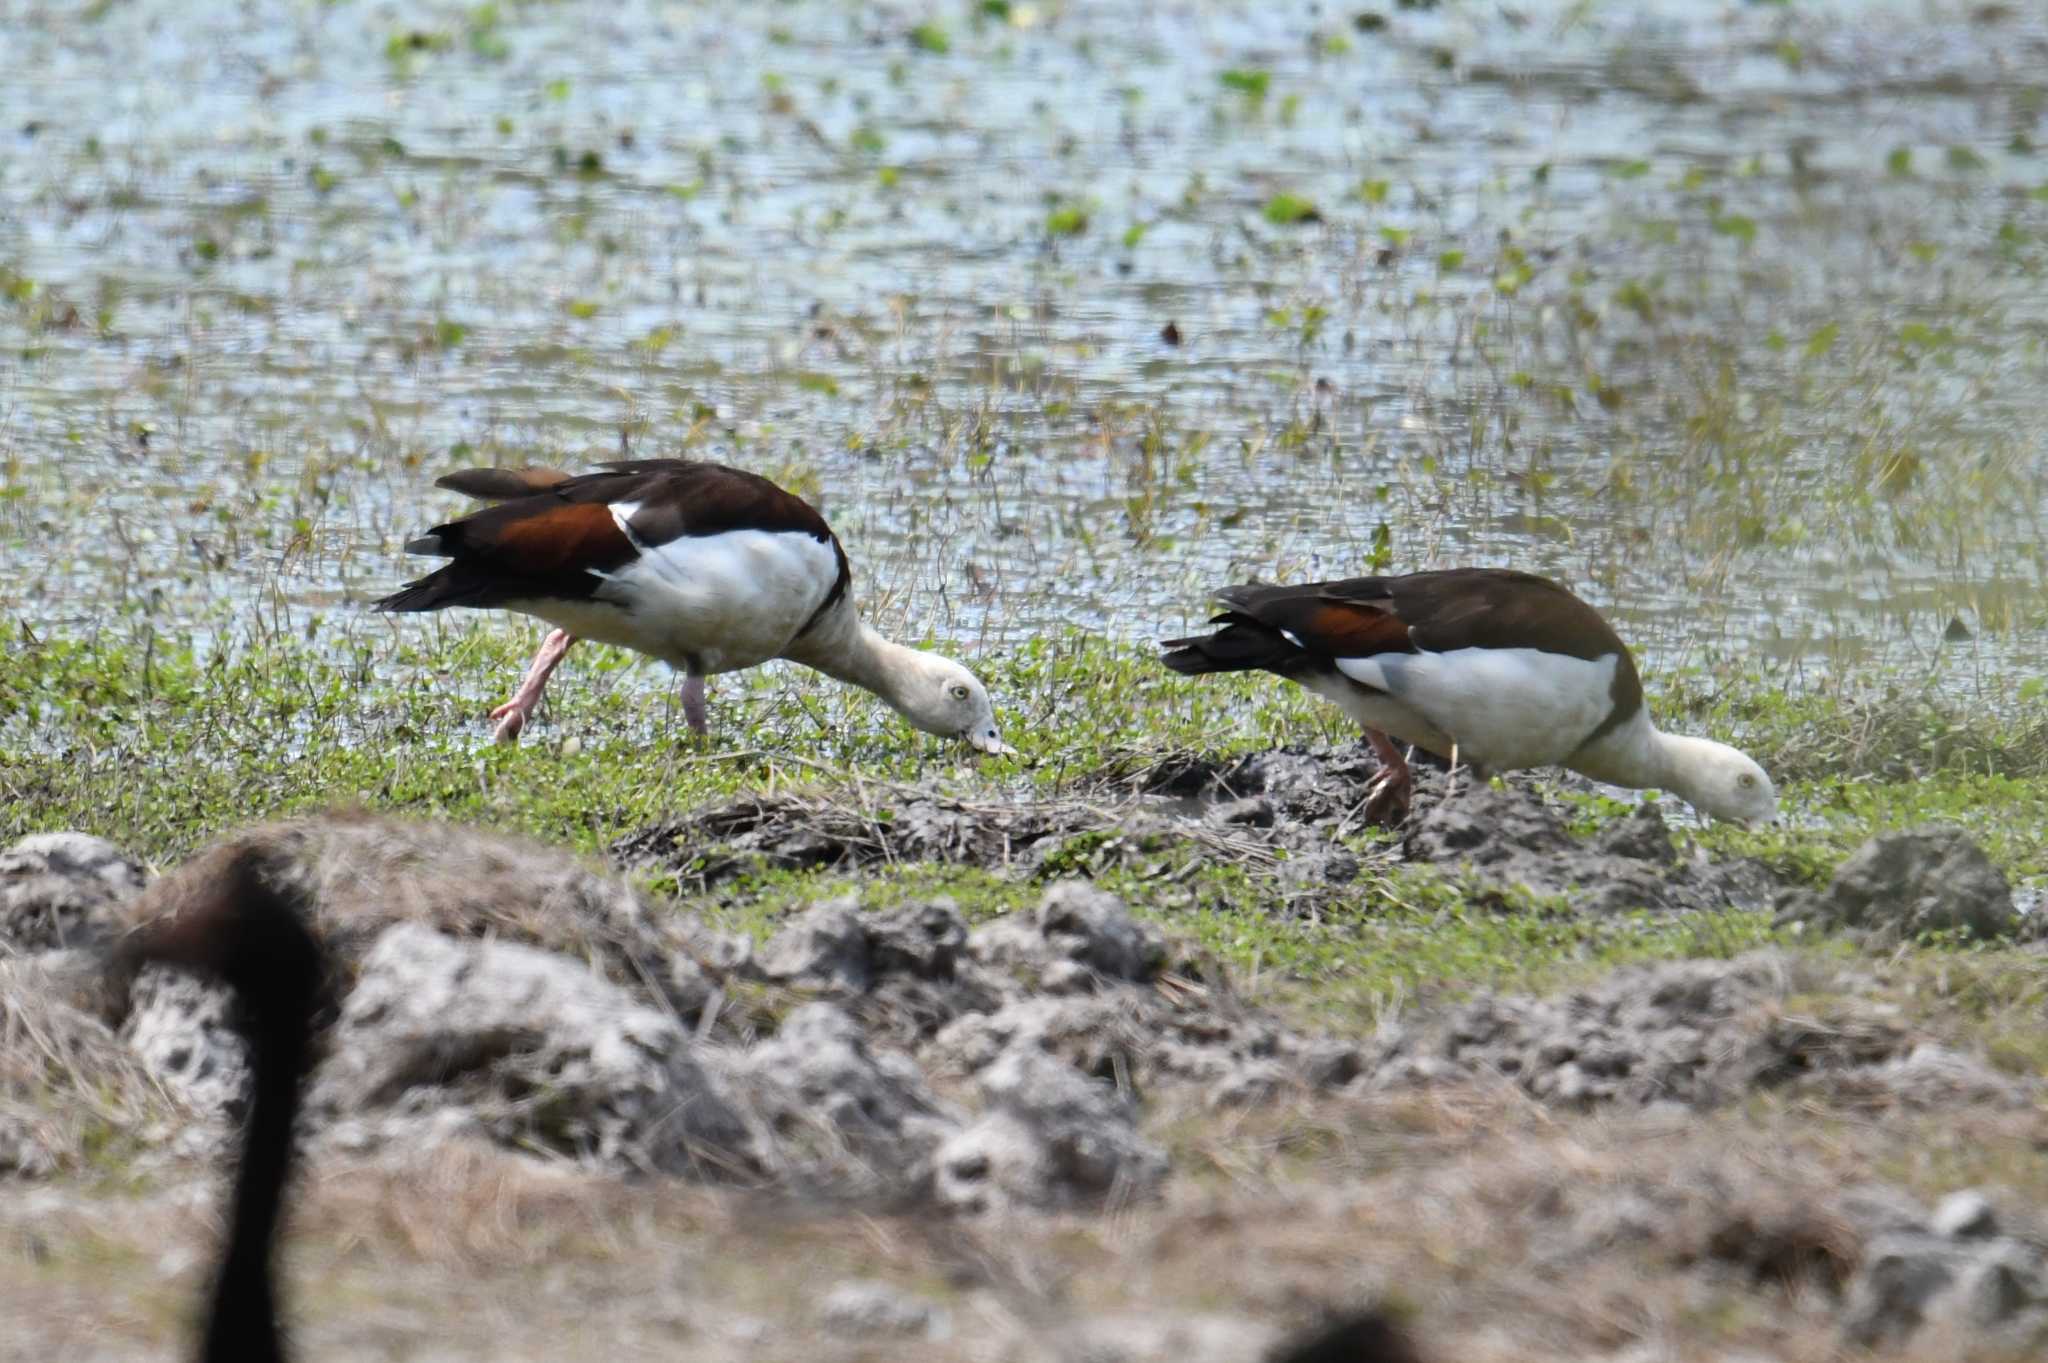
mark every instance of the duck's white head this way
{"type": "Point", "coordinates": [941, 697]}
{"type": "Point", "coordinates": [1719, 781]}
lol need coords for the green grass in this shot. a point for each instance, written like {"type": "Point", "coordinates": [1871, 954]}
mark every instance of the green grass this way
{"type": "Point", "coordinates": [164, 748]}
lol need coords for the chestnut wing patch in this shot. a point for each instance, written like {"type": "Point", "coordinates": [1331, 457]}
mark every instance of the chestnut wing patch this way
{"type": "Point", "coordinates": [1345, 629]}
{"type": "Point", "coordinates": [533, 549]}
{"type": "Point", "coordinates": [1317, 622]}
{"type": "Point", "coordinates": [567, 538]}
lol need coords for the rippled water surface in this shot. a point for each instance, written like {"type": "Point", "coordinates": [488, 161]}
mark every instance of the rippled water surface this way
{"type": "Point", "coordinates": [1731, 314]}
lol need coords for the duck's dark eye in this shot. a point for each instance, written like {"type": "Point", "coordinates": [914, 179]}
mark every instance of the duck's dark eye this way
{"type": "Point", "coordinates": [1745, 780]}
{"type": "Point", "coordinates": [960, 693]}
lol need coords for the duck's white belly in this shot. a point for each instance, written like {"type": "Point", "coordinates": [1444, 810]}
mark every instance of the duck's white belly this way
{"type": "Point", "coordinates": [714, 603]}
{"type": "Point", "coordinates": [1504, 707]}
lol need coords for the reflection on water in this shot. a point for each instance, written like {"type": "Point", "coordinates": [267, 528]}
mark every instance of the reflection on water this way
{"type": "Point", "coordinates": [1729, 314]}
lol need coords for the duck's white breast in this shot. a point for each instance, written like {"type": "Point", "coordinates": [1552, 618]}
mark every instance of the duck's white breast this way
{"type": "Point", "coordinates": [1504, 707]}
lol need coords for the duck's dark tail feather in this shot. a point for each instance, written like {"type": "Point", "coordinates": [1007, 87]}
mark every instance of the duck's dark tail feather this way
{"type": "Point", "coordinates": [1242, 645]}
{"type": "Point", "coordinates": [442, 588]}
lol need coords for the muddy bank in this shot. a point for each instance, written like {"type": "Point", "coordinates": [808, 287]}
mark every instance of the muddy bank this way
{"type": "Point", "coordinates": [1295, 813]}
{"type": "Point", "coordinates": [1071, 1061]}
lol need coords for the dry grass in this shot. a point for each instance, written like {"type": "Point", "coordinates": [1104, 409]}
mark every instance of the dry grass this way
{"type": "Point", "coordinates": [1508, 1232]}
{"type": "Point", "coordinates": [68, 1087]}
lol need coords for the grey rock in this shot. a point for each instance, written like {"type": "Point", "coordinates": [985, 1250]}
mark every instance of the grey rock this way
{"type": "Point", "coordinates": [536, 1049]}
{"type": "Point", "coordinates": [1922, 1075]}
{"type": "Point", "coordinates": [64, 890]}
{"type": "Point", "coordinates": [1253, 811]}
{"type": "Point", "coordinates": [844, 1117]}
{"type": "Point", "coordinates": [1049, 1137]}
{"type": "Point", "coordinates": [1332, 1064]}
{"type": "Point", "coordinates": [922, 941]}
{"type": "Point", "coordinates": [1909, 1280]}
{"type": "Point", "coordinates": [1901, 1277]}
{"type": "Point", "coordinates": [181, 1029]}
{"type": "Point", "coordinates": [1641, 835]}
{"type": "Point", "coordinates": [1965, 1215]}
{"type": "Point", "coordinates": [866, 1310]}
{"type": "Point", "coordinates": [1902, 885]}
{"type": "Point", "coordinates": [1999, 1285]}
{"type": "Point", "coordinates": [825, 946]}
{"type": "Point", "coordinates": [1250, 1085]}
{"type": "Point", "coordinates": [1675, 1032]}
{"type": "Point", "coordinates": [1508, 841]}
{"type": "Point", "coordinates": [1874, 1210]}
{"type": "Point", "coordinates": [973, 1043]}
{"type": "Point", "coordinates": [835, 946]}
{"type": "Point", "coordinates": [1092, 927]}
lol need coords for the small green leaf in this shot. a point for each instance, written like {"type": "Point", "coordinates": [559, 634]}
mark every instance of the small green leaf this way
{"type": "Point", "coordinates": [582, 308]}
{"type": "Point", "coordinates": [1900, 162]}
{"type": "Point", "coordinates": [1068, 220]}
{"type": "Point", "coordinates": [1247, 81]}
{"type": "Point", "coordinates": [1283, 210]}
{"type": "Point", "coordinates": [1450, 260]}
{"type": "Point", "coordinates": [1822, 340]}
{"type": "Point", "coordinates": [1374, 191]}
{"type": "Point", "coordinates": [1134, 234]}
{"type": "Point", "coordinates": [1737, 226]}
{"type": "Point", "coordinates": [1630, 170]}
{"type": "Point", "coordinates": [929, 37]}
{"type": "Point", "coordinates": [1964, 159]}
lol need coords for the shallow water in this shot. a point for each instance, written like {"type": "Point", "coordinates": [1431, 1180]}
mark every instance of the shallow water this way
{"type": "Point", "coordinates": [1730, 315]}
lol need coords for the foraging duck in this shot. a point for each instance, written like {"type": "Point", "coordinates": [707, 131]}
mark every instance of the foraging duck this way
{"type": "Point", "coordinates": [240, 929]}
{"type": "Point", "coordinates": [708, 568]}
{"type": "Point", "coordinates": [1501, 669]}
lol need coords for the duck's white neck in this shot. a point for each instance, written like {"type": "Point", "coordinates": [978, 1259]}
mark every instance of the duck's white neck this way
{"type": "Point", "coordinates": [1637, 754]}
{"type": "Point", "coordinates": [842, 646]}
{"type": "Point", "coordinates": [1640, 755]}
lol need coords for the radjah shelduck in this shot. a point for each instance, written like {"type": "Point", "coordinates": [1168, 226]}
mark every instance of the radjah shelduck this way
{"type": "Point", "coordinates": [239, 928]}
{"type": "Point", "coordinates": [1486, 666]}
{"type": "Point", "coordinates": [708, 568]}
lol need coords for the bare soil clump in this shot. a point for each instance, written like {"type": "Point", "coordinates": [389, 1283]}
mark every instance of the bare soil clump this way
{"type": "Point", "coordinates": [994, 1090]}
{"type": "Point", "coordinates": [1295, 814]}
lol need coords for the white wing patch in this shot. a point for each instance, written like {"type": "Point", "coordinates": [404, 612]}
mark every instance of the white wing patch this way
{"type": "Point", "coordinates": [622, 515]}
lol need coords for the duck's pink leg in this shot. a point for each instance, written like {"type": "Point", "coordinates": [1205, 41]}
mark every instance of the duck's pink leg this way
{"type": "Point", "coordinates": [1386, 799]}
{"type": "Point", "coordinates": [514, 713]}
{"type": "Point", "coordinates": [694, 708]}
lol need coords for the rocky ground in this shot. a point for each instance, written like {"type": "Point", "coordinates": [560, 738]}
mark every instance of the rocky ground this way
{"type": "Point", "coordinates": [555, 1115]}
